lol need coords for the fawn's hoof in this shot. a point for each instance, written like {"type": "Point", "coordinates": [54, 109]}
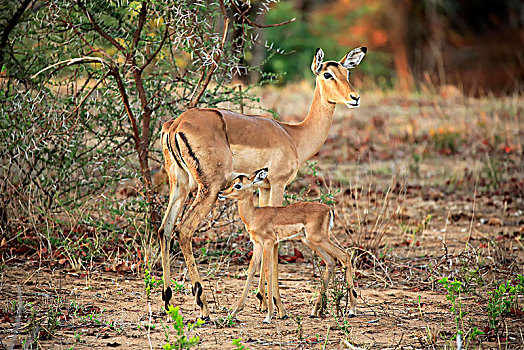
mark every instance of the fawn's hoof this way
{"type": "Point", "coordinates": [352, 313]}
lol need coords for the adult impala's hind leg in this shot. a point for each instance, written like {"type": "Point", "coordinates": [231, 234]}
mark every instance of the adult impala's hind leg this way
{"type": "Point", "coordinates": [178, 191]}
{"type": "Point", "coordinates": [200, 207]}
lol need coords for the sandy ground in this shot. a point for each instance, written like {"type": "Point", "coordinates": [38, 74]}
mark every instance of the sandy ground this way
{"type": "Point", "coordinates": [444, 218]}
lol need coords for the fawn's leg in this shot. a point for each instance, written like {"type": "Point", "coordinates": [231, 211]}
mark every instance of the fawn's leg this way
{"type": "Point", "coordinates": [337, 252]}
{"type": "Point", "coordinates": [330, 266]}
{"type": "Point", "coordinates": [276, 293]}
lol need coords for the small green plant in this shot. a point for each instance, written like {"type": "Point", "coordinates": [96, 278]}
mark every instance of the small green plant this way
{"type": "Point", "coordinates": [298, 320]}
{"type": "Point", "coordinates": [177, 287]}
{"type": "Point", "coordinates": [504, 300]}
{"type": "Point", "coordinates": [78, 337]}
{"type": "Point", "coordinates": [181, 341]}
{"type": "Point", "coordinates": [226, 322]}
{"type": "Point", "coordinates": [342, 322]}
{"type": "Point", "coordinates": [150, 282]}
{"type": "Point", "coordinates": [238, 344]}
{"type": "Point", "coordinates": [474, 333]}
{"type": "Point", "coordinates": [454, 289]}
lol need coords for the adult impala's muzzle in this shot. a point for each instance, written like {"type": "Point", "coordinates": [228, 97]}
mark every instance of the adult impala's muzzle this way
{"type": "Point", "coordinates": [355, 103]}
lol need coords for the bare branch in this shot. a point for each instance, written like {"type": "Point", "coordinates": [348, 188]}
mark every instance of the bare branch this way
{"type": "Point", "coordinates": [127, 106]}
{"type": "Point", "coordinates": [269, 25]}
{"type": "Point", "coordinates": [99, 30]}
{"type": "Point", "coordinates": [88, 94]}
{"type": "Point", "coordinates": [141, 21]}
{"type": "Point", "coordinates": [154, 54]}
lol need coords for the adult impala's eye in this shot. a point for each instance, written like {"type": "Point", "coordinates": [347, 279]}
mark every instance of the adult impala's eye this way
{"type": "Point", "coordinates": [238, 186]}
{"type": "Point", "coordinates": [328, 75]}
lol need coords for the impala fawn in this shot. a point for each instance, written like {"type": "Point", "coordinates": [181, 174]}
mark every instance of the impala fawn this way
{"type": "Point", "coordinates": [267, 226]}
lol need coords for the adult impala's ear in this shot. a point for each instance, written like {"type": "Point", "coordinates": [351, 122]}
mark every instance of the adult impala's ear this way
{"type": "Point", "coordinates": [316, 65]}
{"type": "Point", "coordinates": [353, 58]}
{"type": "Point", "coordinates": [259, 176]}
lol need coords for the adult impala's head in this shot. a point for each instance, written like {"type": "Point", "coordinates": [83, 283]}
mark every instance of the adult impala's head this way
{"type": "Point", "coordinates": [333, 77]}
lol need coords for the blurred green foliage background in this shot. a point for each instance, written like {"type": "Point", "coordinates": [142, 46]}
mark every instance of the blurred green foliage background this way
{"type": "Point", "coordinates": [476, 45]}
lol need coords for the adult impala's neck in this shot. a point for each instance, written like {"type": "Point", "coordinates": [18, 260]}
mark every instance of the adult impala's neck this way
{"type": "Point", "coordinates": [312, 132]}
{"type": "Point", "coordinates": [246, 209]}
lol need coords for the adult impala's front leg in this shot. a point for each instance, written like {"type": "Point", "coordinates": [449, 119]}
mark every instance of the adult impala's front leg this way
{"type": "Point", "coordinates": [264, 194]}
{"type": "Point", "coordinates": [276, 198]}
{"type": "Point", "coordinates": [268, 265]}
{"type": "Point", "coordinates": [253, 266]}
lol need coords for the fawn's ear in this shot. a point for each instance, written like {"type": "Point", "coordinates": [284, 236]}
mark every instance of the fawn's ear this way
{"type": "Point", "coordinates": [259, 176]}
{"type": "Point", "coordinates": [316, 65]}
{"type": "Point", "coordinates": [353, 58]}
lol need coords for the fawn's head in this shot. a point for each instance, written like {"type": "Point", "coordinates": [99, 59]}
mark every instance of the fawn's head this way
{"type": "Point", "coordinates": [333, 77]}
{"type": "Point", "coordinates": [239, 187]}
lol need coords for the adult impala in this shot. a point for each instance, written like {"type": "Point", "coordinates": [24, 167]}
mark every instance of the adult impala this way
{"type": "Point", "coordinates": [207, 148]}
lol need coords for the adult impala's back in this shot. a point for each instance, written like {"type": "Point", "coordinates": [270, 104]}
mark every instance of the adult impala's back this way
{"type": "Point", "coordinates": [207, 148]}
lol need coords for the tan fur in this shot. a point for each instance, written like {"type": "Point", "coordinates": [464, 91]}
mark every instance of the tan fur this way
{"type": "Point", "coordinates": [213, 146]}
{"type": "Point", "coordinates": [305, 221]}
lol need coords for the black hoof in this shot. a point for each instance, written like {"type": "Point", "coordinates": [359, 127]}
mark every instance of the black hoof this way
{"type": "Point", "coordinates": [351, 315]}
{"type": "Point", "coordinates": [313, 316]}
{"type": "Point", "coordinates": [197, 292]}
{"type": "Point", "coordinates": [166, 297]}
{"type": "Point", "coordinates": [285, 317]}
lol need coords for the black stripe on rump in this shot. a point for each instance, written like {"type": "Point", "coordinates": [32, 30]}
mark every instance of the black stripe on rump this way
{"type": "Point", "coordinates": [190, 152]}
{"type": "Point", "coordinates": [170, 149]}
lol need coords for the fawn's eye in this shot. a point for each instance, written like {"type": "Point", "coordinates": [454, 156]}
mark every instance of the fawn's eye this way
{"type": "Point", "coordinates": [328, 76]}
{"type": "Point", "coordinates": [238, 187]}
